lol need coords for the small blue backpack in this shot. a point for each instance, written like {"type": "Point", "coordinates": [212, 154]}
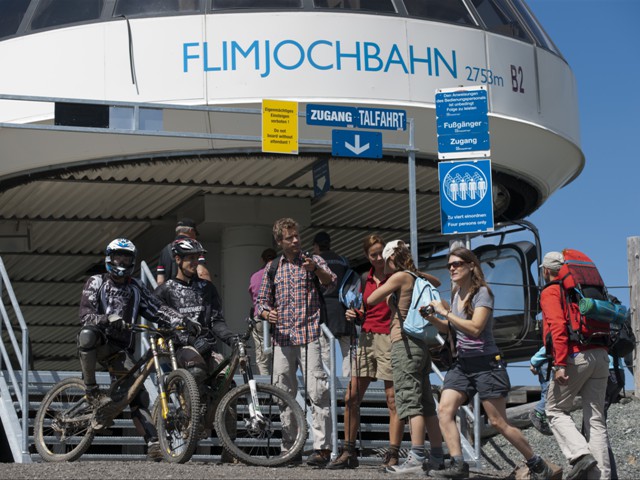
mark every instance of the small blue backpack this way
{"type": "Point", "coordinates": [414, 324]}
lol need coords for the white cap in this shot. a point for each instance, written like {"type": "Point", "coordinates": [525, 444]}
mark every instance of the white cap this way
{"type": "Point", "coordinates": [553, 261]}
{"type": "Point", "coordinates": [390, 247]}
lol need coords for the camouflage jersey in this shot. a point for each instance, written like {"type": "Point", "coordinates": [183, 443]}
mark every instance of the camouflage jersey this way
{"type": "Point", "coordinates": [102, 297]}
{"type": "Point", "coordinates": [199, 301]}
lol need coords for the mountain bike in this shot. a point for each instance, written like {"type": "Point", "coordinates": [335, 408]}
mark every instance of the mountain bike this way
{"type": "Point", "coordinates": [66, 423]}
{"type": "Point", "coordinates": [247, 417]}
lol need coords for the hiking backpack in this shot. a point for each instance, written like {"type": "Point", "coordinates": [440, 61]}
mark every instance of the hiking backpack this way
{"type": "Point", "coordinates": [590, 313]}
{"type": "Point", "coordinates": [350, 290]}
{"type": "Point", "coordinates": [415, 324]}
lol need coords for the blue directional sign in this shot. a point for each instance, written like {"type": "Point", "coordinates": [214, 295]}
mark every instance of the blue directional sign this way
{"type": "Point", "coordinates": [358, 117]}
{"type": "Point", "coordinates": [356, 143]}
{"type": "Point", "coordinates": [462, 123]}
{"type": "Point", "coordinates": [466, 200]}
{"type": "Point", "coordinates": [321, 180]}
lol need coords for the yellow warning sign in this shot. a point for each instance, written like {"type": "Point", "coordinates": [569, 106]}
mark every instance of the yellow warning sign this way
{"type": "Point", "coordinates": [279, 126]}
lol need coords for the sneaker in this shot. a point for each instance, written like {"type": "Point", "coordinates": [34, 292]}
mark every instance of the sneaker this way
{"type": "Point", "coordinates": [346, 460]}
{"type": "Point", "coordinates": [319, 458]}
{"type": "Point", "coordinates": [542, 471]}
{"type": "Point", "coordinates": [455, 470]}
{"type": "Point", "coordinates": [94, 396]}
{"type": "Point", "coordinates": [581, 467]}
{"type": "Point", "coordinates": [390, 459]}
{"type": "Point", "coordinates": [433, 464]}
{"type": "Point", "coordinates": [413, 464]}
{"type": "Point", "coordinates": [154, 454]}
{"type": "Point", "coordinates": [539, 421]}
{"type": "Point", "coordinates": [226, 457]}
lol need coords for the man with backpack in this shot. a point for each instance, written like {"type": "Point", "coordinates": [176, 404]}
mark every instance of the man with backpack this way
{"type": "Point", "coordinates": [290, 299]}
{"type": "Point", "coordinates": [336, 319]}
{"type": "Point", "coordinates": [580, 368]}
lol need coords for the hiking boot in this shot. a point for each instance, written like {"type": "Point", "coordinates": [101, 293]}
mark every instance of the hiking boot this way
{"type": "Point", "coordinates": [390, 459]}
{"type": "Point", "coordinates": [540, 471]}
{"type": "Point", "coordinates": [413, 464]}
{"type": "Point", "coordinates": [540, 423]}
{"type": "Point", "coordinates": [319, 458]}
{"type": "Point", "coordinates": [581, 467]}
{"type": "Point", "coordinates": [433, 464]}
{"type": "Point", "coordinates": [345, 460]}
{"type": "Point", "coordinates": [455, 470]}
{"type": "Point", "coordinates": [154, 454]}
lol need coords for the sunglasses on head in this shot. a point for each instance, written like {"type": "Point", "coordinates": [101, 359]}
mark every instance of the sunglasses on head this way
{"type": "Point", "coordinates": [456, 264]}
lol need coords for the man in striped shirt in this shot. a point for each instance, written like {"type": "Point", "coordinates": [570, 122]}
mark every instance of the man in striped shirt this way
{"type": "Point", "coordinates": [289, 299]}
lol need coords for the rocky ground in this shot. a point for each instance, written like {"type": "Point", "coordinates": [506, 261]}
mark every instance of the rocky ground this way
{"type": "Point", "coordinates": [500, 458]}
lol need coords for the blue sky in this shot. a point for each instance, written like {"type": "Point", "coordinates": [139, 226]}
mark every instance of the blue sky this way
{"type": "Point", "coordinates": [599, 210]}
{"type": "Point", "coordinates": [596, 213]}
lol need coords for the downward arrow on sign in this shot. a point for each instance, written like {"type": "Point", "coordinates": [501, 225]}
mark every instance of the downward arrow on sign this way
{"type": "Point", "coordinates": [357, 149]}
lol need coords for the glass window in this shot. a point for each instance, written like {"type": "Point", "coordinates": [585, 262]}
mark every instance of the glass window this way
{"type": "Point", "coordinates": [12, 14]}
{"type": "Point", "coordinates": [499, 18]}
{"type": "Point", "coordinates": [142, 7]}
{"type": "Point", "coordinates": [452, 11]}
{"type": "Point", "coordinates": [51, 13]}
{"type": "Point", "coordinates": [538, 32]}
{"type": "Point", "coordinates": [255, 4]}
{"type": "Point", "coordinates": [384, 6]}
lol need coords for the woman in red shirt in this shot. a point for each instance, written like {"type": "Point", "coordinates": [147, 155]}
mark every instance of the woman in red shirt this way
{"type": "Point", "coordinates": [373, 361]}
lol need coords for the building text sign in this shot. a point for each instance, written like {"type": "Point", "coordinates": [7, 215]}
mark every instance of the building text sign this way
{"type": "Point", "coordinates": [280, 126]}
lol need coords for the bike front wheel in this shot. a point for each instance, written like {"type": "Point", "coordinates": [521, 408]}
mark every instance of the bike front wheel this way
{"type": "Point", "coordinates": [62, 430]}
{"type": "Point", "coordinates": [178, 426]}
{"type": "Point", "coordinates": [252, 429]}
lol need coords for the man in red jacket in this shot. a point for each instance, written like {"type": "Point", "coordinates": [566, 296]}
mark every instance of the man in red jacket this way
{"type": "Point", "coordinates": [578, 369]}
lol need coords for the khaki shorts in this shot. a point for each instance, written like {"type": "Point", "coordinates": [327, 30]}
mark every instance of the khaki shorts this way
{"type": "Point", "coordinates": [373, 358]}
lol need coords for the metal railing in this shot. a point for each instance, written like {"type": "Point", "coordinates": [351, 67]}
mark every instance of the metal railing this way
{"type": "Point", "coordinates": [21, 353]}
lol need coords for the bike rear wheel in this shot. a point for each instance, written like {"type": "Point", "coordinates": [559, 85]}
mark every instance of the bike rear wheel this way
{"type": "Point", "coordinates": [256, 438]}
{"type": "Point", "coordinates": [62, 430]}
{"type": "Point", "coordinates": [178, 430]}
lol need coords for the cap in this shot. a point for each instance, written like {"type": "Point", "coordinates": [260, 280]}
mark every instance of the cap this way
{"type": "Point", "coordinates": [390, 247]}
{"type": "Point", "coordinates": [553, 261]}
{"type": "Point", "coordinates": [322, 239]}
{"type": "Point", "coordinates": [187, 222]}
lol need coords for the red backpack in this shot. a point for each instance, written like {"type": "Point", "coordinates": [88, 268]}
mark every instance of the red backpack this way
{"type": "Point", "coordinates": [578, 279]}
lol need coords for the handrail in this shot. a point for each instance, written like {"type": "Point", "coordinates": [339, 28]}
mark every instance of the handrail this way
{"type": "Point", "coordinates": [22, 354]}
{"type": "Point", "coordinates": [146, 277]}
{"type": "Point", "coordinates": [332, 389]}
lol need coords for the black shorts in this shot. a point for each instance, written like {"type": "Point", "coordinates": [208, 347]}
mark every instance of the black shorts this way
{"type": "Point", "coordinates": [484, 375]}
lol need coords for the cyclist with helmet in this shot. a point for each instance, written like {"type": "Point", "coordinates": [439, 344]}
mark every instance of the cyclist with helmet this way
{"type": "Point", "coordinates": [197, 299]}
{"type": "Point", "coordinates": [109, 300]}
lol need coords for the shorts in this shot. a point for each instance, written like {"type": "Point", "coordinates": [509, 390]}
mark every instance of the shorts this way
{"type": "Point", "coordinates": [373, 358]}
{"type": "Point", "coordinates": [411, 364]}
{"type": "Point", "coordinates": [483, 375]}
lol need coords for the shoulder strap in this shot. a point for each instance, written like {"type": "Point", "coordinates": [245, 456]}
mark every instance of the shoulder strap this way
{"type": "Point", "coordinates": [273, 268]}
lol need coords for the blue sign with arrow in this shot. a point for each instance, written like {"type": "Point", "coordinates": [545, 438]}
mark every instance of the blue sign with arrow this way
{"type": "Point", "coordinates": [359, 144]}
{"type": "Point", "coordinates": [466, 199]}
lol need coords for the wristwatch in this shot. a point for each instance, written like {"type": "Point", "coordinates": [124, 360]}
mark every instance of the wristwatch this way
{"type": "Point", "coordinates": [555, 368]}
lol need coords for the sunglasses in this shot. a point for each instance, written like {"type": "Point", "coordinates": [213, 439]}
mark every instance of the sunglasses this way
{"type": "Point", "coordinates": [457, 264]}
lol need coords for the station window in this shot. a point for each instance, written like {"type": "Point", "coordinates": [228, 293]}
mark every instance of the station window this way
{"type": "Point", "coordinates": [452, 11]}
{"type": "Point", "coordinates": [12, 14]}
{"type": "Point", "coordinates": [150, 7]}
{"type": "Point", "coordinates": [538, 32]}
{"type": "Point", "coordinates": [255, 4]}
{"type": "Point", "coordinates": [499, 18]}
{"type": "Point", "coordinates": [51, 13]}
{"type": "Point", "coordinates": [382, 6]}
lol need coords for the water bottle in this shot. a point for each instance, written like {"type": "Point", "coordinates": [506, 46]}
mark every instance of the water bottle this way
{"type": "Point", "coordinates": [603, 310]}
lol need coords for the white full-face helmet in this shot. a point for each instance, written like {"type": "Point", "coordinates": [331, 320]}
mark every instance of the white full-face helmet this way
{"type": "Point", "coordinates": [120, 258]}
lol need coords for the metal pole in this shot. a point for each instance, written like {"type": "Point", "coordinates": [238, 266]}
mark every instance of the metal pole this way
{"type": "Point", "coordinates": [413, 209]}
{"type": "Point", "coordinates": [332, 389]}
{"type": "Point", "coordinates": [633, 262]}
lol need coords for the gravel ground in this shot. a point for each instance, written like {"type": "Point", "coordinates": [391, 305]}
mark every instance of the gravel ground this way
{"type": "Point", "coordinates": [500, 458]}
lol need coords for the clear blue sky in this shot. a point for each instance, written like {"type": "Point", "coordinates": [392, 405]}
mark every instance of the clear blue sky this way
{"type": "Point", "coordinates": [599, 210]}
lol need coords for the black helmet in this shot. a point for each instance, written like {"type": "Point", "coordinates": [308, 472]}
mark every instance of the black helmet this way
{"type": "Point", "coordinates": [187, 246]}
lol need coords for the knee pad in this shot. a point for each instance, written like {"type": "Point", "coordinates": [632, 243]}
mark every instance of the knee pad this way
{"type": "Point", "coordinates": [199, 373]}
{"type": "Point", "coordinates": [89, 338]}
